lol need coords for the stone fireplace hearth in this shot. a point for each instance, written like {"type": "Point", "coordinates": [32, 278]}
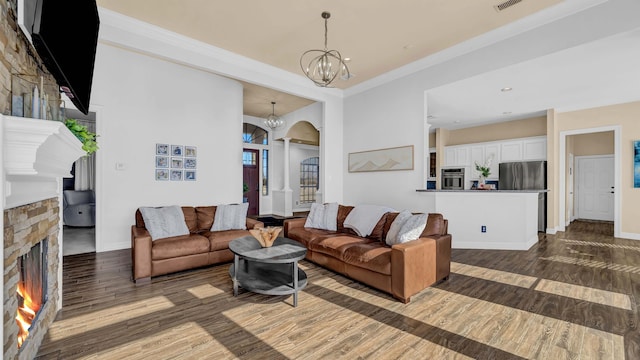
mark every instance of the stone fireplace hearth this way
{"type": "Point", "coordinates": [36, 155]}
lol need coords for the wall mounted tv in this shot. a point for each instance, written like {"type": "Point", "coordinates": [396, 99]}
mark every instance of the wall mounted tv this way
{"type": "Point", "coordinates": [65, 35]}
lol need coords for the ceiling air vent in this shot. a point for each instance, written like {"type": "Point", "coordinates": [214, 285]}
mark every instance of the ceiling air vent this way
{"type": "Point", "coordinates": [506, 4]}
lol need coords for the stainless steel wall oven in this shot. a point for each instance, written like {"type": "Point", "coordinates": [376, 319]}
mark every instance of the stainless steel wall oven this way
{"type": "Point", "coordinates": [452, 179]}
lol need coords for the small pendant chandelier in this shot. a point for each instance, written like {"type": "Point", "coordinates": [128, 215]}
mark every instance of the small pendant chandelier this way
{"type": "Point", "coordinates": [273, 121]}
{"type": "Point", "coordinates": [323, 66]}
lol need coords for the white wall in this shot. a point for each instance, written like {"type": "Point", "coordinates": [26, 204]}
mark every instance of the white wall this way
{"type": "Point", "coordinates": [386, 116]}
{"type": "Point", "coordinates": [144, 101]}
{"type": "Point", "coordinates": [385, 113]}
{"type": "Point", "coordinates": [142, 38]}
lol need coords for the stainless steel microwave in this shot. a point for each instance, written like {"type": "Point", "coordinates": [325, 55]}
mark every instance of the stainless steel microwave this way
{"type": "Point", "coordinates": [452, 179]}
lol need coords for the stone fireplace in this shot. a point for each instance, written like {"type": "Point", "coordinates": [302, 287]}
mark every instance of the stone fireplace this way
{"type": "Point", "coordinates": [25, 227]}
{"type": "Point", "coordinates": [36, 155]}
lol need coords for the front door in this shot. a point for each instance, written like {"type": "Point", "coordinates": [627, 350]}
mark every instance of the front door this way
{"type": "Point", "coordinates": [251, 177]}
{"type": "Point", "coordinates": [595, 180]}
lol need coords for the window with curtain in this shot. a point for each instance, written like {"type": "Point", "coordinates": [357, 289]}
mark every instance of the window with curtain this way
{"type": "Point", "coordinates": [309, 175]}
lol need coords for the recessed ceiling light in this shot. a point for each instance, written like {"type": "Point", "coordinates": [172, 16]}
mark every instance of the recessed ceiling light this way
{"type": "Point", "coordinates": [506, 113]}
{"type": "Point", "coordinates": [347, 59]}
{"type": "Point", "coordinates": [505, 89]}
{"type": "Point", "coordinates": [430, 117]}
{"type": "Point", "coordinates": [456, 122]}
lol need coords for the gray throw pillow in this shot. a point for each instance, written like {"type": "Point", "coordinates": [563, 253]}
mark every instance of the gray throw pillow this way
{"type": "Point", "coordinates": [164, 222]}
{"type": "Point", "coordinates": [323, 217]}
{"type": "Point", "coordinates": [230, 217]}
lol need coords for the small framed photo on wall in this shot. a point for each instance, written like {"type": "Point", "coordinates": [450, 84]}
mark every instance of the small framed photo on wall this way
{"type": "Point", "coordinates": [176, 175]}
{"type": "Point", "coordinates": [162, 174]}
{"type": "Point", "coordinates": [177, 150]}
{"type": "Point", "coordinates": [177, 163]}
{"type": "Point", "coordinates": [162, 161]}
{"type": "Point", "coordinates": [190, 151]}
{"type": "Point", "coordinates": [190, 175]}
{"type": "Point", "coordinates": [162, 149]}
{"type": "Point", "coordinates": [189, 163]}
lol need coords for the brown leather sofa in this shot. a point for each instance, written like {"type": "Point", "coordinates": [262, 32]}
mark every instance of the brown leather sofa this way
{"type": "Point", "coordinates": [200, 248]}
{"type": "Point", "coordinates": [401, 270]}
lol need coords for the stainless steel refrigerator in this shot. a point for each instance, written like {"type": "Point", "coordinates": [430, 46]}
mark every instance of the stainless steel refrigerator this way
{"type": "Point", "coordinates": [527, 175]}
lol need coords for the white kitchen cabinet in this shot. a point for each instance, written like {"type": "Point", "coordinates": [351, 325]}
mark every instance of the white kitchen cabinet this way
{"type": "Point", "coordinates": [477, 157]}
{"type": "Point", "coordinates": [534, 149]}
{"type": "Point", "coordinates": [456, 155]}
{"type": "Point", "coordinates": [483, 154]}
{"type": "Point", "coordinates": [492, 151]}
{"type": "Point", "coordinates": [511, 151]}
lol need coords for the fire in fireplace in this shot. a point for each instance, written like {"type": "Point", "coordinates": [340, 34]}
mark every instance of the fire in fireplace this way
{"type": "Point", "coordinates": [32, 288]}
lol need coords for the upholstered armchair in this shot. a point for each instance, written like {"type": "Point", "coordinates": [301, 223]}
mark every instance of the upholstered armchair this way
{"type": "Point", "coordinates": [79, 208]}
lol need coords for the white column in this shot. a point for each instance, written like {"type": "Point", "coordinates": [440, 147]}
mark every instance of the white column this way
{"type": "Point", "coordinates": [287, 154]}
{"type": "Point", "coordinates": [283, 199]}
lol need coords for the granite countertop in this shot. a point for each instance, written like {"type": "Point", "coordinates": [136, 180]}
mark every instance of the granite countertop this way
{"type": "Point", "coordinates": [484, 191]}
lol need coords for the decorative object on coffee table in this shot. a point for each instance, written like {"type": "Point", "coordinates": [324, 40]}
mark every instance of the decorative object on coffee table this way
{"type": "Point", "coordinates": [266, 236]}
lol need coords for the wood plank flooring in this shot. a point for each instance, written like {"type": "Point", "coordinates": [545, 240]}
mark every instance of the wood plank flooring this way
{"type": "Point", "coordinates": [574, 295]}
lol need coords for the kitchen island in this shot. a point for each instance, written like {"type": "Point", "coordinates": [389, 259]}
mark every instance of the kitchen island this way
{"type": "Point", "coordinates": [488, 219]}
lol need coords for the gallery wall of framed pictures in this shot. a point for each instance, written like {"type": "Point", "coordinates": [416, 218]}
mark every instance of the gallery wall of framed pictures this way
{"type": "Point", "coordinates": [176, 162]}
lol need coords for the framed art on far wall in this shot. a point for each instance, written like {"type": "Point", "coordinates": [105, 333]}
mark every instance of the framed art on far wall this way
{"type": "Point", "coordinates": [390, 159]}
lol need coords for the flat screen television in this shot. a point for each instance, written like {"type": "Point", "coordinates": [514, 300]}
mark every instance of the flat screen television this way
{"type": "Point", "coordinates": [65, 36]}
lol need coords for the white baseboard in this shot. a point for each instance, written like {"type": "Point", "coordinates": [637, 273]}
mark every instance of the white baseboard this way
{"type": "Point", "coordinates": [632, 236]}
{"type": "Point", "coordinates": [553, 231]}
{"type": "Point", "coordinates": [114, 246]}
{"type": "Point", "coordinates": [493, 245]}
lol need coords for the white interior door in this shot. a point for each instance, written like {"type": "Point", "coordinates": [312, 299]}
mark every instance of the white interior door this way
{"type": "Point", "coordinates": [570, 186]}
{"type": "Point", "coordinates": [594, 190]}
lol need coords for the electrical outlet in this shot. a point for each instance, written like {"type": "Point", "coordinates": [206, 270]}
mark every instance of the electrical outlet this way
{"type": "Point", "coordinates": [483, 229]}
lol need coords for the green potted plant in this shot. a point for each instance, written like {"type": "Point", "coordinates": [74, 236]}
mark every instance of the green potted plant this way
{"type": "Point", "coordinates": [245, 188]}
{"type": "Point", "coordinates": [88, 139]}
{"type": "Point", "coordinates": [485, 171]}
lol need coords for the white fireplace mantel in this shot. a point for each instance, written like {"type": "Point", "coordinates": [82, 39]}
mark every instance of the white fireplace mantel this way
{"type": "Point", "coordinates": [36, 154]}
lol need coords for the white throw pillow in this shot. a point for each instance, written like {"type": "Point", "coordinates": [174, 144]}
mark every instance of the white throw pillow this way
{"type": "Point", "coordinates": [230, 217]}
{"type": "Point", "coordinates": [396, 225]}
{"type": "Point", "coordinates": [164, 222]}
{"type": "Point", "coordinates": [406, 227]}
{"type": "Point", "coordinates": [412, 228]}
{"type": "Point", "coordinates": [363, 218]}
{"type": "Point", "coordinates": [323, 217]}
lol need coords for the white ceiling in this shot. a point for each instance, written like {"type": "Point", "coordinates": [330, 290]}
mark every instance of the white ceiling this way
{"type": "Point", "coordinates": [569, 64]}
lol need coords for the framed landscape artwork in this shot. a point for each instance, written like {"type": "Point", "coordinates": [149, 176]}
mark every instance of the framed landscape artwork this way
{"type": "Point", "coordinates": [390, 159]}
{"type": "Point", "coordinates": [636, 164]}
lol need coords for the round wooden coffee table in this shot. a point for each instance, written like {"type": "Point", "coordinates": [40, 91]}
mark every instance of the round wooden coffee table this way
{"type": "Point", "coordinates": [271, 270]}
